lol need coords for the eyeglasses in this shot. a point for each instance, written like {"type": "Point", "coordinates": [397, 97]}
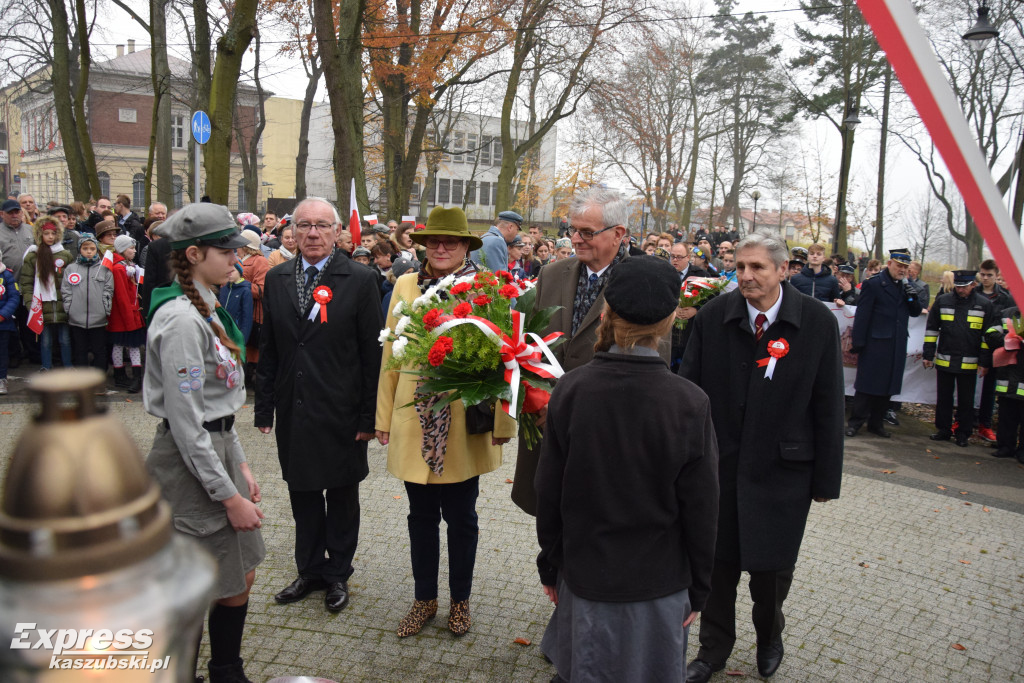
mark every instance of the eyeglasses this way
{"type": "Point", "coordinates": [587, 235]}
{"type": "Point", "coordinates": [679, 257]}
{"type": "Point", "coordinates": [436, 243]}
{"type": "Point", "coordinates": [306, 226]}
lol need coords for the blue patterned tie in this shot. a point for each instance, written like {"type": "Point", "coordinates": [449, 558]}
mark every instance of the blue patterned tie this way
{"type": "Point", "coordinates": [594, 277]}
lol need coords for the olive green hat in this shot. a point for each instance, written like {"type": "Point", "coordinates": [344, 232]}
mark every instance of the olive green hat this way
{"type": "Point", "coordinates": [447, 223]}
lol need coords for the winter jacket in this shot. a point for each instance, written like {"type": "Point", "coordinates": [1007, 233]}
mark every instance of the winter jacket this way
{"type": "Point", "coordinates": [13, 243]}
{"type": "Point", "coordinates": [1001, 299]}
{"type": "Point", "coordinates": [1010, 377]}
{"type": "Point", "coordinates": [53, 311]}
{"type": "Point", "coordinates": [132, 226]}
{"type": "Point", "coordinates": [10, 297]}
{"type": "Point", "coordinates": [822, 285]}
{"type": "Point", "coordinates": [954, 337]}
{"type": "Point", "coordinates": [236, 298]}
{"type": "Point", "coordinates": [125, 314]}
{"type": "Point", "coordinates": [88, 294]}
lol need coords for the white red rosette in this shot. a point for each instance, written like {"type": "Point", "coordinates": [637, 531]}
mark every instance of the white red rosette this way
{"type": "Point", "coordinates": [322, 296]}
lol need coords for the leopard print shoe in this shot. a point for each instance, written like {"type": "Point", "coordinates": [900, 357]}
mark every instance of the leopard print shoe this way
{"type": "Point", "coordinates": [422, 611]}
{"type": "Point", "coordinates": [458, 618]}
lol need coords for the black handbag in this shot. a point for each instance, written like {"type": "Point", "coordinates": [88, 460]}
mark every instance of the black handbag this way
{"type": "Point", "coordinates": [480, 418]}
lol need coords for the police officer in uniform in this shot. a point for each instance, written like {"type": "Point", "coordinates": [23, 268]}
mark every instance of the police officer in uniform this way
{"type": "Point", "coordinates": [194, 382]}
{"type": "Point", "coordinates": [954, 344]}
{"type": "Point", "coordinates": [884, 308]}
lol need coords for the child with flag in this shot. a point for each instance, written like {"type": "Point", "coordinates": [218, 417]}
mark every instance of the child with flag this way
{"type": "Point", "coordinates": [10, 297]}
{"type": "Point", "coordinates": [41, 273]}
{"type": "Point", "coordinates": [125, 325]}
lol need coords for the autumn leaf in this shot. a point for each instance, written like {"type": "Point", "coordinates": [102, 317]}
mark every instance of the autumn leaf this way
{"type": "Point", "coordinates": [521, 641]}
{"type": "Point", "coordinates": [967, 502]}
{"type": "Point", "coordinates": [734, 672]}
{"type": "Point", "coordinates": [958, 646]}
{"type": "Point", "coordinates": [397, 497]}
{"type": "Point", "coordinates": [927, 450]}
{"type": "Point", "coordinates": [985, 509]}
{"type": "Point", "coordinates": [127, 400]}
{"type": "Point", "coordinates": [941, 487]}
{"type": "Point", "coordinates": [935, 457]}
{"type": "Point", "coordinates": [865, 565]}
{"type": "Point", "coordinates": [963, 493]}
{"type": "Point", "coordinates": [965, 561]}
{"type": "Point", "coordinates": [509, 481]}
{"type": "Point", "coordinates": [935, 510]}
{"type": "Point", "coordinates": [888, 471]}
{"type": "Point", "coordinates": [6, 412]}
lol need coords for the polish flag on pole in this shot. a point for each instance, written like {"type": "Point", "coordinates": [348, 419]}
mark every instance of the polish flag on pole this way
{"type": "Point", "coordinates": [370, 218]}
{"type": "Point", "coordinates": [353, 221]}
{"type": "Point", "coordinates": [108, 260]}
{"type": "Point", "coordinates": [35, 315]}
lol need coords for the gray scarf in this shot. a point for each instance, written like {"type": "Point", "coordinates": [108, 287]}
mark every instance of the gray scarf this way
{"type": "Point", "coordinates": [300, 282]}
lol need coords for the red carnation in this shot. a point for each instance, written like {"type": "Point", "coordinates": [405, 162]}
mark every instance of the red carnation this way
{"type": "Point", "coordinates": [462, 310]}
{"type": "Point", "coordinates": [461, 288]}
{"type": "Point", "coordinates": [509, 291]}
{"type": "Point", "coordinates": [441, 348]}
{"type": "Point", "coordinates": [506, 275]}
{"type": "Point", "coordinates": [432, 319]}
{"type": "Point", "coordinates": [482, 300]}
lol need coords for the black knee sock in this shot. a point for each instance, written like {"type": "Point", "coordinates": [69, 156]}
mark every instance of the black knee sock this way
{"type": "Point", "coordinates": [226, 626]}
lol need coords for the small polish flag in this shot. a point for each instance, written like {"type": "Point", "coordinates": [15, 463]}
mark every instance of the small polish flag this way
{"type": "Point", "coordinates": [108, 260]}
{"type": "Point", "coordinates": [370, 218]}
{"type": "Point", "coordinates": [35, 315]}
{"type": "Point", "coordinates": [141, 272]}
{"type": "Point", "coordinates": [353, 221]}
{"type": "Point", "coordinates": [408, 219]}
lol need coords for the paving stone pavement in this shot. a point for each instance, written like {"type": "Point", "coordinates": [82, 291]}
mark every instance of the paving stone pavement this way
{"type": "Point", "coordinates": [890, 577]}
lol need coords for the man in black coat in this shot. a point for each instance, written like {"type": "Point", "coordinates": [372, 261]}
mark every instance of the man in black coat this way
{"type": "Point", "coordinates": [884, 308]}
{"type": "Point", "coordinates": [769, 359]}
{"type": "Point", "coordinates": [319, 360]}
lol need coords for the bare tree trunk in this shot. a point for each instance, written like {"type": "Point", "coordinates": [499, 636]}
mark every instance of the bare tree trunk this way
{"type": "Point", "coordinates": [882, 144]}
{"type": "Point", "coordinates": [316, 70]}
{"type": "Point", "coordinates": [201, 71]}
{"type": "Point", "coordinates": [162, 105]}
{"type": "Point", "coordinates": [341, 56]}
{"type": "Point", "coordinates": [231, 49]}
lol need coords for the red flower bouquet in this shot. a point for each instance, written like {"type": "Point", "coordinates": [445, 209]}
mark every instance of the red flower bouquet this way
{"type": "Point", "coordinates": [697, 291]}
{"type": "Point", "coordinates": [477, 339]}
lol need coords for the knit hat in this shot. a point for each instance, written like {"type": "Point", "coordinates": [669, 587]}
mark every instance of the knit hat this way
{"type": "Point", "coordinates": [361, 251]}
{"type": "Point", "coordinates": [563, 242]}
{"type": "Point", "coordinates": [643, 289]}
{"type": "Point", "coordinates": [253, 239]}
{"type": "Point", "coordinates": [247, 218]}
{"type": "Point", "coordinates": [123, 243]}
{"type": "Point", "coordinates": [402, 266]}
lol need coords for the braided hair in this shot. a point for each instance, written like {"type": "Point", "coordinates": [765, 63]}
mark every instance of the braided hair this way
{"type": "Point", "coordinates": [183, 270]}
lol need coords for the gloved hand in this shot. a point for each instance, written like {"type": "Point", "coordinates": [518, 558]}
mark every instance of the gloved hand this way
{"type": "Point", "coordinates": [909, 290]}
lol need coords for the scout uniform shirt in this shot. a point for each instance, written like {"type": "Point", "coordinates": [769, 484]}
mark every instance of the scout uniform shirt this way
{"type": "Point", "coordinates": [191, 378]}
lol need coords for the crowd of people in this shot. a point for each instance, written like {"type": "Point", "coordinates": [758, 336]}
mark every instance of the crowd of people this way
{"type": "Point", "coordinates": [191, 308]}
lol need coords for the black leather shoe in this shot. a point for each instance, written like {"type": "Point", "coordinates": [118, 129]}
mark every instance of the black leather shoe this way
{"type": "Point", "coordinates": [940, 436]}
{"type": "Point", "coordinates": [880, 431]}
{"type": "Point", "coordinates": [890, 417]}
{"type": "Point", "coordinates": [962, 440]}
{"type": "Point", "coordinates": [1002, 452]}
{"type": "Point", "coordinates": [700, 671]}
{"type": "Point", "coordinates": [337, 597]}
{"type": "Point", "coordinates": [769, 657]}
{"type": "Point", "coordinates": [298, 589]}
{"type": "Point", "coordinates": [851, 431]}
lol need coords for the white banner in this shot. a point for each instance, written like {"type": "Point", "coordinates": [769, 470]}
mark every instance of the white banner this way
{"type": "Point", "coordinates": [918, 381]}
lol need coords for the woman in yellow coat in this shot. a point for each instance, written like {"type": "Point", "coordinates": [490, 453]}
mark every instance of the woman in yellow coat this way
{"type": "Point", "coordinates": [444, 482]}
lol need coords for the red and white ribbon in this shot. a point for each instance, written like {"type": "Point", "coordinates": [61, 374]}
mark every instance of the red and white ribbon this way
{"type": "Point", "coordinates": [516, 352]}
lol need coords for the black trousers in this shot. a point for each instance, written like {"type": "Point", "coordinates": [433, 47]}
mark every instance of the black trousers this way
{"type": "Point", "coordinates": [326, 532]}
{"type": "Point", "coordinates": [868, 408]}
{"type": "Point", "coordinates": [964, 383]}
{"type": "Point", "coordinates": [24, 346]}
{"type": "Point", "coordinates": [768, 590]}
{"type": "Point", "coordinates": [85, 341]}
{"type": "Point", "coordinates": [456, 503]}
{"type": "Point", "coordinates": [1010, 430]}
{"type": "Point", "coordinates": [988, 400]}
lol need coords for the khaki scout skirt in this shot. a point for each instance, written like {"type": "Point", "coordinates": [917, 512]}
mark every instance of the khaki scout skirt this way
{"type": "Point", "coordinates": [194, 514]}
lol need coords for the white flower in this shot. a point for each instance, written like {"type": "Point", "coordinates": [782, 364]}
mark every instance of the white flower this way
{"type": "Point", "coordinates": [431, 294]}
{"type": "Point", "coordinates": [399, 308]}
{"type": "Point", "coordinates": [384, 335]}
{"type": "Point", "coordinates": [398, 348]}
{"type": "Point", "coordinates": [464, 278]}
{"type": "Point", "coordinates": [402, 325]}
{"type": "Point", "coordinates": [420, 301]}
{"type": "Point", "coordinates": [446, 281]}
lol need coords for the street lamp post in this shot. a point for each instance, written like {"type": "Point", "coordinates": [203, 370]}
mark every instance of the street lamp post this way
{"type": "Point", "coordinates": [753, 224]}
{"type": "Point", "coordinates": [983, 32]}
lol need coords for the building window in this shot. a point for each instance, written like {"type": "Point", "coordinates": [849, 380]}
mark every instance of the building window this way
{"type": "Point", "coordinates": [471, 144]}
{"type": "Point", "coordinates": [484, 191]}
{"type": "Point", "coordinates": [456, 192]}
{"type": "Point", "coordinates": [178, 187]}
{"type": "Point", "coordinates": [498, 151]}
{"type": "Point", "coordinates": [104, 184]}
{"type": "Point", "coordinates": [414, 193]}
{"type": "Point", "coordinates": [242, 203]}
{"type": "Point", "coordinates": [443, 189]}
{"type": "Point", "coordinates": [178, 131]}
{"type": "Point", "coordinates": [485, 150]}
{"type": "Point", "coordinates": [460, 145]}
{"type": "Point", "coordinates": [470, 192]}
{"type": "Point", "coordinates": [138, 189]}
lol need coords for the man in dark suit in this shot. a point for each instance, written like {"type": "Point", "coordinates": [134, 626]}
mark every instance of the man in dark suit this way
{"type": "Point", "coordinates": [597, 227]}
{"type": "Point", "coordinates": [769, 359]}
{"type": "Point", "coordinates": [884, 308]}
{"type": "Point", "coordinates": [319, 360]}
{"type": "Point", "coordinates": [680, 259]}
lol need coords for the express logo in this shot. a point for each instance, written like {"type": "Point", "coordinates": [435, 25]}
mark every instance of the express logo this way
{"type": "Point", "coordinates": [71, 641]}
{"type": "Point", "coordinates": [74, 278]}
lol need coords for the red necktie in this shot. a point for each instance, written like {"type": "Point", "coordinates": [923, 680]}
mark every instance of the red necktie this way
{"type": "Point", "coordinates": [759, 323]}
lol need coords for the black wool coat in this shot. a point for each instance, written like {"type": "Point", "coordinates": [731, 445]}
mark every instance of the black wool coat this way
{"type": "Point", "coordinates": [880, 335]}
{"type": "Point", "coordinates": [320, 378]}
{"type": "Point", "coordinates": [780, 441]}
